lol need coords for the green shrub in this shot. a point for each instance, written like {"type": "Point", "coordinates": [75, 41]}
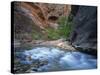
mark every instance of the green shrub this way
{"type": "Point", "coordinates": [65, 26]}
{"type": "Point", "coordinates": [63, 30]}
{"type": "Point", "coordinates": [52, 34]}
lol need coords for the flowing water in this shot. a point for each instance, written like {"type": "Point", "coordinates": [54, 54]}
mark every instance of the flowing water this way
{"type": "Point", "coordinates": [44, 59]}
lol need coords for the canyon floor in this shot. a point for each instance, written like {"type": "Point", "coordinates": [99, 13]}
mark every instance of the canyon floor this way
{"type": "Point", "coordinates": [55, 43]}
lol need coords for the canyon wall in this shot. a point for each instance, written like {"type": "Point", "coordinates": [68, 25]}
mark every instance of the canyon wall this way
{"type": "Point", "coordinates": [31, 20]}
{"type": "Point", "coordinates": [84, 34]}
{"type": "Point", "coordinates": [41, 14]}
{"type": "Point", "coordinates": [29, 17]}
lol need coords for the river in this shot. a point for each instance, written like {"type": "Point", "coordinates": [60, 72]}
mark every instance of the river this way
{"type": "Point", "coordinates": [43, 59]}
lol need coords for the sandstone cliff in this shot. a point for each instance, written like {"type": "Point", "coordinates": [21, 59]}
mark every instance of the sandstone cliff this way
{"type": "Point", "coordinates": [42, 14]}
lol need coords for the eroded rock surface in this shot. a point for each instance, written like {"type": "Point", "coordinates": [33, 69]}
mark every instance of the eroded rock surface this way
{"type": "Point", "coordinates": [84, 34]}
{"type": "Point", "coordinates": [42, 14]}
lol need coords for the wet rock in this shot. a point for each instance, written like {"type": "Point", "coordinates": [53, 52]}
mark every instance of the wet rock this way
{"type": "Point", "coordinates": [35, 69]}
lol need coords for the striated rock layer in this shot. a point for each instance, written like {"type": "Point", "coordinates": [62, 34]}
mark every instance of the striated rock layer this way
{"type": "Point", "coordinates": [42, 14]}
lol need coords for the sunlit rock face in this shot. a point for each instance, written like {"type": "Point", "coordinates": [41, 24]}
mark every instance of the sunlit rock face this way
{"type": "Point", "coordinates": [84, 34]}
{"type": "Point", "coordinates": [44, 59]}
{"type": "Point", "coordinates": [42, 14]}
